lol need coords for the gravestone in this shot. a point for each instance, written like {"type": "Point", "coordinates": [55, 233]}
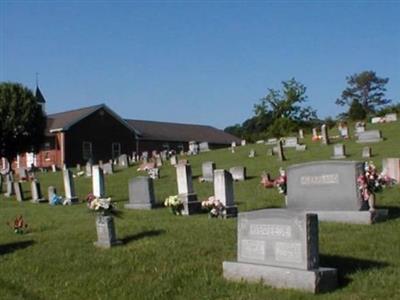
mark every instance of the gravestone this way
{"type": "Point", "coordinates": [164, 155]}
{"type": "Point", "coordinates": [9, 186]}
{"type": "Point", "coordinates": [359, 127]}
{"type": "Point", "coordinates": [203, 146]}
{"type": "Point", "coordinates": [391, 168]}
{"type": "Point", "coordinates": [185, 190]}
{"type": "Point", "coordinates": [391, 117]}
{"type": "Point", "coordinates": [154, 173]}
{"type": "Point", "coordinates": [159, 162]}
{"type": "Point", "coordinates": [272, 141]}
{"type": "Point", "coordinates": [238, 173]}
{"type": "Point", "coordinates": [369, 136]}
{"type": "Point", "coordinates": [330, 189]}
{"type": "Point", "coordinates": [207, 169]}
{"type": "Point", "coordinates": [281, 154]}
{"type": "Point", "coordinates": [339, 151]}
{"type": "Point", "coordinates": [53, 168]}
{"type": "Point", "coordinates": [36, 192]}
{"type": "Point", "coordinates": [88, 169]}
{"type": "Point", "coordinates": [301, 147]}
{"type": "Point", "coordinates": [193, 148]}
{"type": "Point", "coordinates": [243, 142]}
{"type": "Point", "coordinates": [280, 248]}
{"type": "Point", "coordinates": [123, 161]}
{"type": "Point", "coordinates": [145, 156]}
{"type": "Point", "coordinates": [223, 191]}
{"type": "Point", "coordinates": [141, 193]}
{"type": "Point", "coordinates": [98, 186]}
{"type": "Point", "coordinates": [301, 134]}
{"type": "Point", "coordinates": [22, 174]}
{"type": "Point", "coordinates": [78, 167]}
{"type": "Point", "coordinates": [19, 193]}
{"type": "Point", "coordinates": [233, 144]}
{"type": "Point", "coordinates": [69, 187]}
{"type": "Point", "coordinates": [106, 236]}
{"type": "Point", "coordinates": [173, 160]}
{"type": "Point", "coordinates": [366, 152]}
{"type": "Point", "coordinates": [108, 168]}
{"type": "Point", "coordinates": [51, 191]}
{"type": "Point", "coordinates": [324, 135]}
{"type": "Point", "coordinates": [252, 153]}
{"type": "Point", "coordinates": [260, 142]}
{"type": "Point", "coordinates": [290, 142]}
{"type": "Point", "coordinates": [315, 132]}
{"type": "Point", "coordinates": [344, 132]}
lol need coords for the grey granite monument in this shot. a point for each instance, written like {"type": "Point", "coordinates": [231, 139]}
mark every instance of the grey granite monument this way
{"type": "Point", "coordinates": [185, 190]}
{"type": "Point", "coordinates": [223, 191]}
{"type": "Point", "coordinates": [141, 193]}
{"type": "Point", "coordinates": [369, 136]}
{"type": "Point", "coordinates": [339, 151]}
{"type": "Point", "coordinates": [366, 152]}
{"type": "Point", "coordinates": [207, 169]}
{"type": "Point", "coordinates": [279, 248]}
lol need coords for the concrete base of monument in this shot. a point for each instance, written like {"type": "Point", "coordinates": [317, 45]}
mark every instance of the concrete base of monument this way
{"type": "Point", "coordinates": [352, 217]}
{"type": "Point", "coordinates": [369, 141]}
{"type": "Point", "coordinates": [140, 205]}
{"type": "Point", "coordinates": [190, 204]}
{"type": "Point", "coordinates": [315, 281]}
{"type": "Point", "coordinates": [230, 212]}
{"type": "Point", "coordinates": [107, 245]}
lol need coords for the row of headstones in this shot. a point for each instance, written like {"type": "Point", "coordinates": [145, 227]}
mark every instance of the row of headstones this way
{"type": "Point", "coordinates": [208, 169]}
{"type": "Point", "coordinates": [279, 247]}
{"type": "Point", "coordinates": [339, 152]}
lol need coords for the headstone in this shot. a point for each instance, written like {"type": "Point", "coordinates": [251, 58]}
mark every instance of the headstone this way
{"type": "Point", "coordinates": [141, 193]}
{"type": "Point", "coordinates": [69, 187]}
{"type": "Point", "coordinates": [19, 193]}
{"type": "Point", "coordinates": [360, 127]}
{"type": "Point", "coordinates": [281, 155]}
{"type": "Point", "coordinates": [233, 144]}
{"type": "Point", "coordinates": [98, 187]}
{"type": "Point", "coordinates": [185, 190]}
{"type": "Point", "coordinates": [36, 192]}
{"type": "Point", "coordinates": [159, 162]}
{"type": "Point", "coordinates": [301, 134]}
{"type": "Point", "coordinates": [272, 141]}
{"type": "Point", "coordinates": [53, 168]}
{"type": "Point", "coordinates": [123, 161]}
{"type": "Point", "coordinates": [324, 134]}
{"type": "Point", "coordinates": [252, 153]}
{"type": "Point", "coordinates": [339, 151]}
{"type": "Point", "coordinates": [51, 191]}
{"type": "Point", "coordinates": [145, 156]}
{"type": "Point", "coordinates": [193, 148]}
{"type": "Point", "coordinates": [223, 191]}
{"type": "Point", "coordinates": [9, 186]}
{"type": "Point", "coordinates": [301, 147]}
{"type": "Point", "coordinates": [391, 117]}
{"type": "Point", "coordinates": [207, 169]}
{"type": "Point", "coordinates": [369, 136]}
{"type": "Point", "coordinates": [260, 142]}
{"type": "Point", "coordinates": [290, 142]}
{"type": "Point", "coordinates": [173, 160]}
{"type": "Point", "coordinates": [108, 168]}
{"type": "Point", "coordinates": [391, 168]}
{"type": "Point", "coordinates": [366, 152]}
{"type": "Point", "coordinates": [315, 132]}
{"type": "Point", "coordinates": [330, 189]}
{"type": "Point", "coordinates": [243, 142]}
{"type": "Point", "coordinates": [280, 248]}
{"type": "Point", "coordinates": [203, 146]}
{"type": "Point", "coordinates": [238, 173]}
{"type": "Point", "coordinates": [78, 167]}
{"type": "Point", "coordinates": [22, 174]}
{"type": "Point", "coordinates": [88, 169]}
{"type": "Point", "coordinates": [164, 155]}
{"type": "Point", "coordinates": [344, 132]}
{"type": "Point", "coordinates": [106, 237]}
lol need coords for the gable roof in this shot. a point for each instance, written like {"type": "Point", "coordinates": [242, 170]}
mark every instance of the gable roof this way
{"type": "Point", "coordinates": [164, 131]}
{"type": "Point", "coordinates": [64, 120]}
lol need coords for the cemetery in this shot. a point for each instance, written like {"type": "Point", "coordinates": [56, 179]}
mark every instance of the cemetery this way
{"type": "Point", "coordinates": [316, 239]}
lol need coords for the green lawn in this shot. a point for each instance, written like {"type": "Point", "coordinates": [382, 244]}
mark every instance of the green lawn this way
{"type": "Point", "coordinates": [170, 257]}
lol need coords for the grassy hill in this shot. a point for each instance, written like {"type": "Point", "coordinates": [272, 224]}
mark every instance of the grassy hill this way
{"type": "Point", "coordinates": [170, 257]}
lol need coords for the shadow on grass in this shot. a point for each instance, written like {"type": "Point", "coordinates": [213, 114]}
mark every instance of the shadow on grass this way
{"type": "Point", "coordinates": [394, 212]}
{"type": "Point", "coordinates": [141, 235]}
{"type": "Point", "coordinates": [348, 265]}
{"type": "Point", "coordinates": [11, 247]}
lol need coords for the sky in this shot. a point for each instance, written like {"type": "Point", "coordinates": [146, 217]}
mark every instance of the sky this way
{"type": "Point", "coordinates": [202, 62]}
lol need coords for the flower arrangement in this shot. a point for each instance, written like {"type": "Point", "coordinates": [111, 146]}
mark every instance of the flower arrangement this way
{"type": "Point", "coordinates": [214, 206]}
{"type": "Point", "coordinates": [19, 226]}
{"type": "Point", "coordinates": [175, 204]}
{"type": "Point", "coordinates": [281, 182]}
{"type": "Point", "coordinates": [102, 206]}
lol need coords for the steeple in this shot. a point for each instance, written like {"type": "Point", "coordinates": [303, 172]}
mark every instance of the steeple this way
{"type": "Point", "coordinates": [39, 96]}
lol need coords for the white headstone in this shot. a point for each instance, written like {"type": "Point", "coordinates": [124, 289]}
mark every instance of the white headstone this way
{"type": "Point", "coordinates": [98, 182]}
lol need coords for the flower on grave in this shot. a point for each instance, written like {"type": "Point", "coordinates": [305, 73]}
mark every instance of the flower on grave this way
{"type": "Point", "coordinates": [281, 182]}
{"type": "Point", "coordinates": [102, 206]}
{"type": "Point", "coordinates": [19, 226]}
{"type": "Point", "coordinates": [371, 182]}
{"type": "Point", "coordinates": [80, 173]}
{"type": "Point", "coordinates": [55, 199]}
{"type": "Point", "coordinates": [175, 204]}
{"type": "Point", "coordinates": [214, 206]}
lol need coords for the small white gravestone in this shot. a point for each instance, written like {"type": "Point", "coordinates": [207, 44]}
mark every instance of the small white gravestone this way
{"type": "Point", "coordinates": [339, 151]}
{"type": "Point", "coordinates": [19, 193]}
{"type": "Point", "coordinates": [204, 147]}
{"type": "Point", "coordinates": [88, 169]}
{"type": "Point", "coordinates": [243, 142]}
{"type": "Point", "coordinates": [301, 134]}
{"type": "Point", "coordinates": [314, 133]}
{"type": "Point", "coordinates": [159, 162]}
{"type": "Point", "coordinates": [69, 187]}
{"type": "Point", "coordinates": [98, 182]}
{"type": "Point", "coordinates": [9, 186]}
{"type": "Point", "coordinates": [207, 169]}
{"type": "Point", "coordinates": [233, 144]}
{"type": "Point", "coordinates": [252, 153]}
{"type": "Point", "coordinates": [173, 160]}
{"type": "Point", "coordinates": [391, 117]}
{"type": "Point", "coordinates": [366, 152]}
{"type": "Point", "coordinates": [53, 168]}
{"type": "Point", "coordinates": [223, 191]}
{"type": "Point", "coordinates": [301, 147]}
{"type": "Point", "coordinates": [238, 173]}
{"type": "Point", "coordinates": [324, 134]}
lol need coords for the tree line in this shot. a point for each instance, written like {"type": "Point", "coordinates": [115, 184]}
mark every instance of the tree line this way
{"type": "Point", "coordinates": [283, 111]}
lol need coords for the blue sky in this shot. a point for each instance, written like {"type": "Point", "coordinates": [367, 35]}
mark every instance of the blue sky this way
{"type": "Point", "coordinates": [205, 62]}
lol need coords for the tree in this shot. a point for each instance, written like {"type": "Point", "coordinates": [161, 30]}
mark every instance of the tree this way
{"type": "Point", "coordinates": [22, 121]}
{"type": "Point", "coordinates": [367, 88]}
{"type": "Point", "coordinates": [357, 111]}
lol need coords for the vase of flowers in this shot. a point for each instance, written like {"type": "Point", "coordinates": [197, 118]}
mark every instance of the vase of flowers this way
{"type": "Point", "coordinates": [214, 207]}
{"type": "Point", "coordinates": [175, 204]}
{"type": "Point", "coordinates": [105, 211]}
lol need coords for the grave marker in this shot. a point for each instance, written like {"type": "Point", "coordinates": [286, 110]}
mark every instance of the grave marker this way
{"type": "Point", "coordinates": [123, 161]}
{"type": "Point", "coordinates": [369, 136]}
{"type": "Point", "coordinates": [98, 187]}
{"type": "Point", "coordinates": [366, 152]}
{"type": "Point", "coordinates": [36, 192]}
{"type": "Point", "coordinates": [69, 187]}
{"type": "Point", "coordinates": [19, 193]}
{"type": "Point", "coordinates": [339, 151]}
{"type": "Point", "coordinates": [185, 190]}
{"type": "Point", "coordinates": [238, 173]}
{"type": "Point", "coordinates": [141, 193]}
{"type": "Point", "coordinates": [324, 135]}
{"type": "Point", "coordinates": [223, 191]}
{"type": "Point", "coordinates": [207, 169]}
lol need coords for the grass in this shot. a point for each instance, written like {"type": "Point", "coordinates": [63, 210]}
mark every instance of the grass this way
{"type": "Point", "coordinates": [169, 257]}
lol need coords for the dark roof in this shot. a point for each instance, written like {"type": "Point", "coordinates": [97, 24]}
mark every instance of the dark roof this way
{"type": "Point", "coordinates": [39, 96]}
{"type": "Point", "coordinates": [163, 131]}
